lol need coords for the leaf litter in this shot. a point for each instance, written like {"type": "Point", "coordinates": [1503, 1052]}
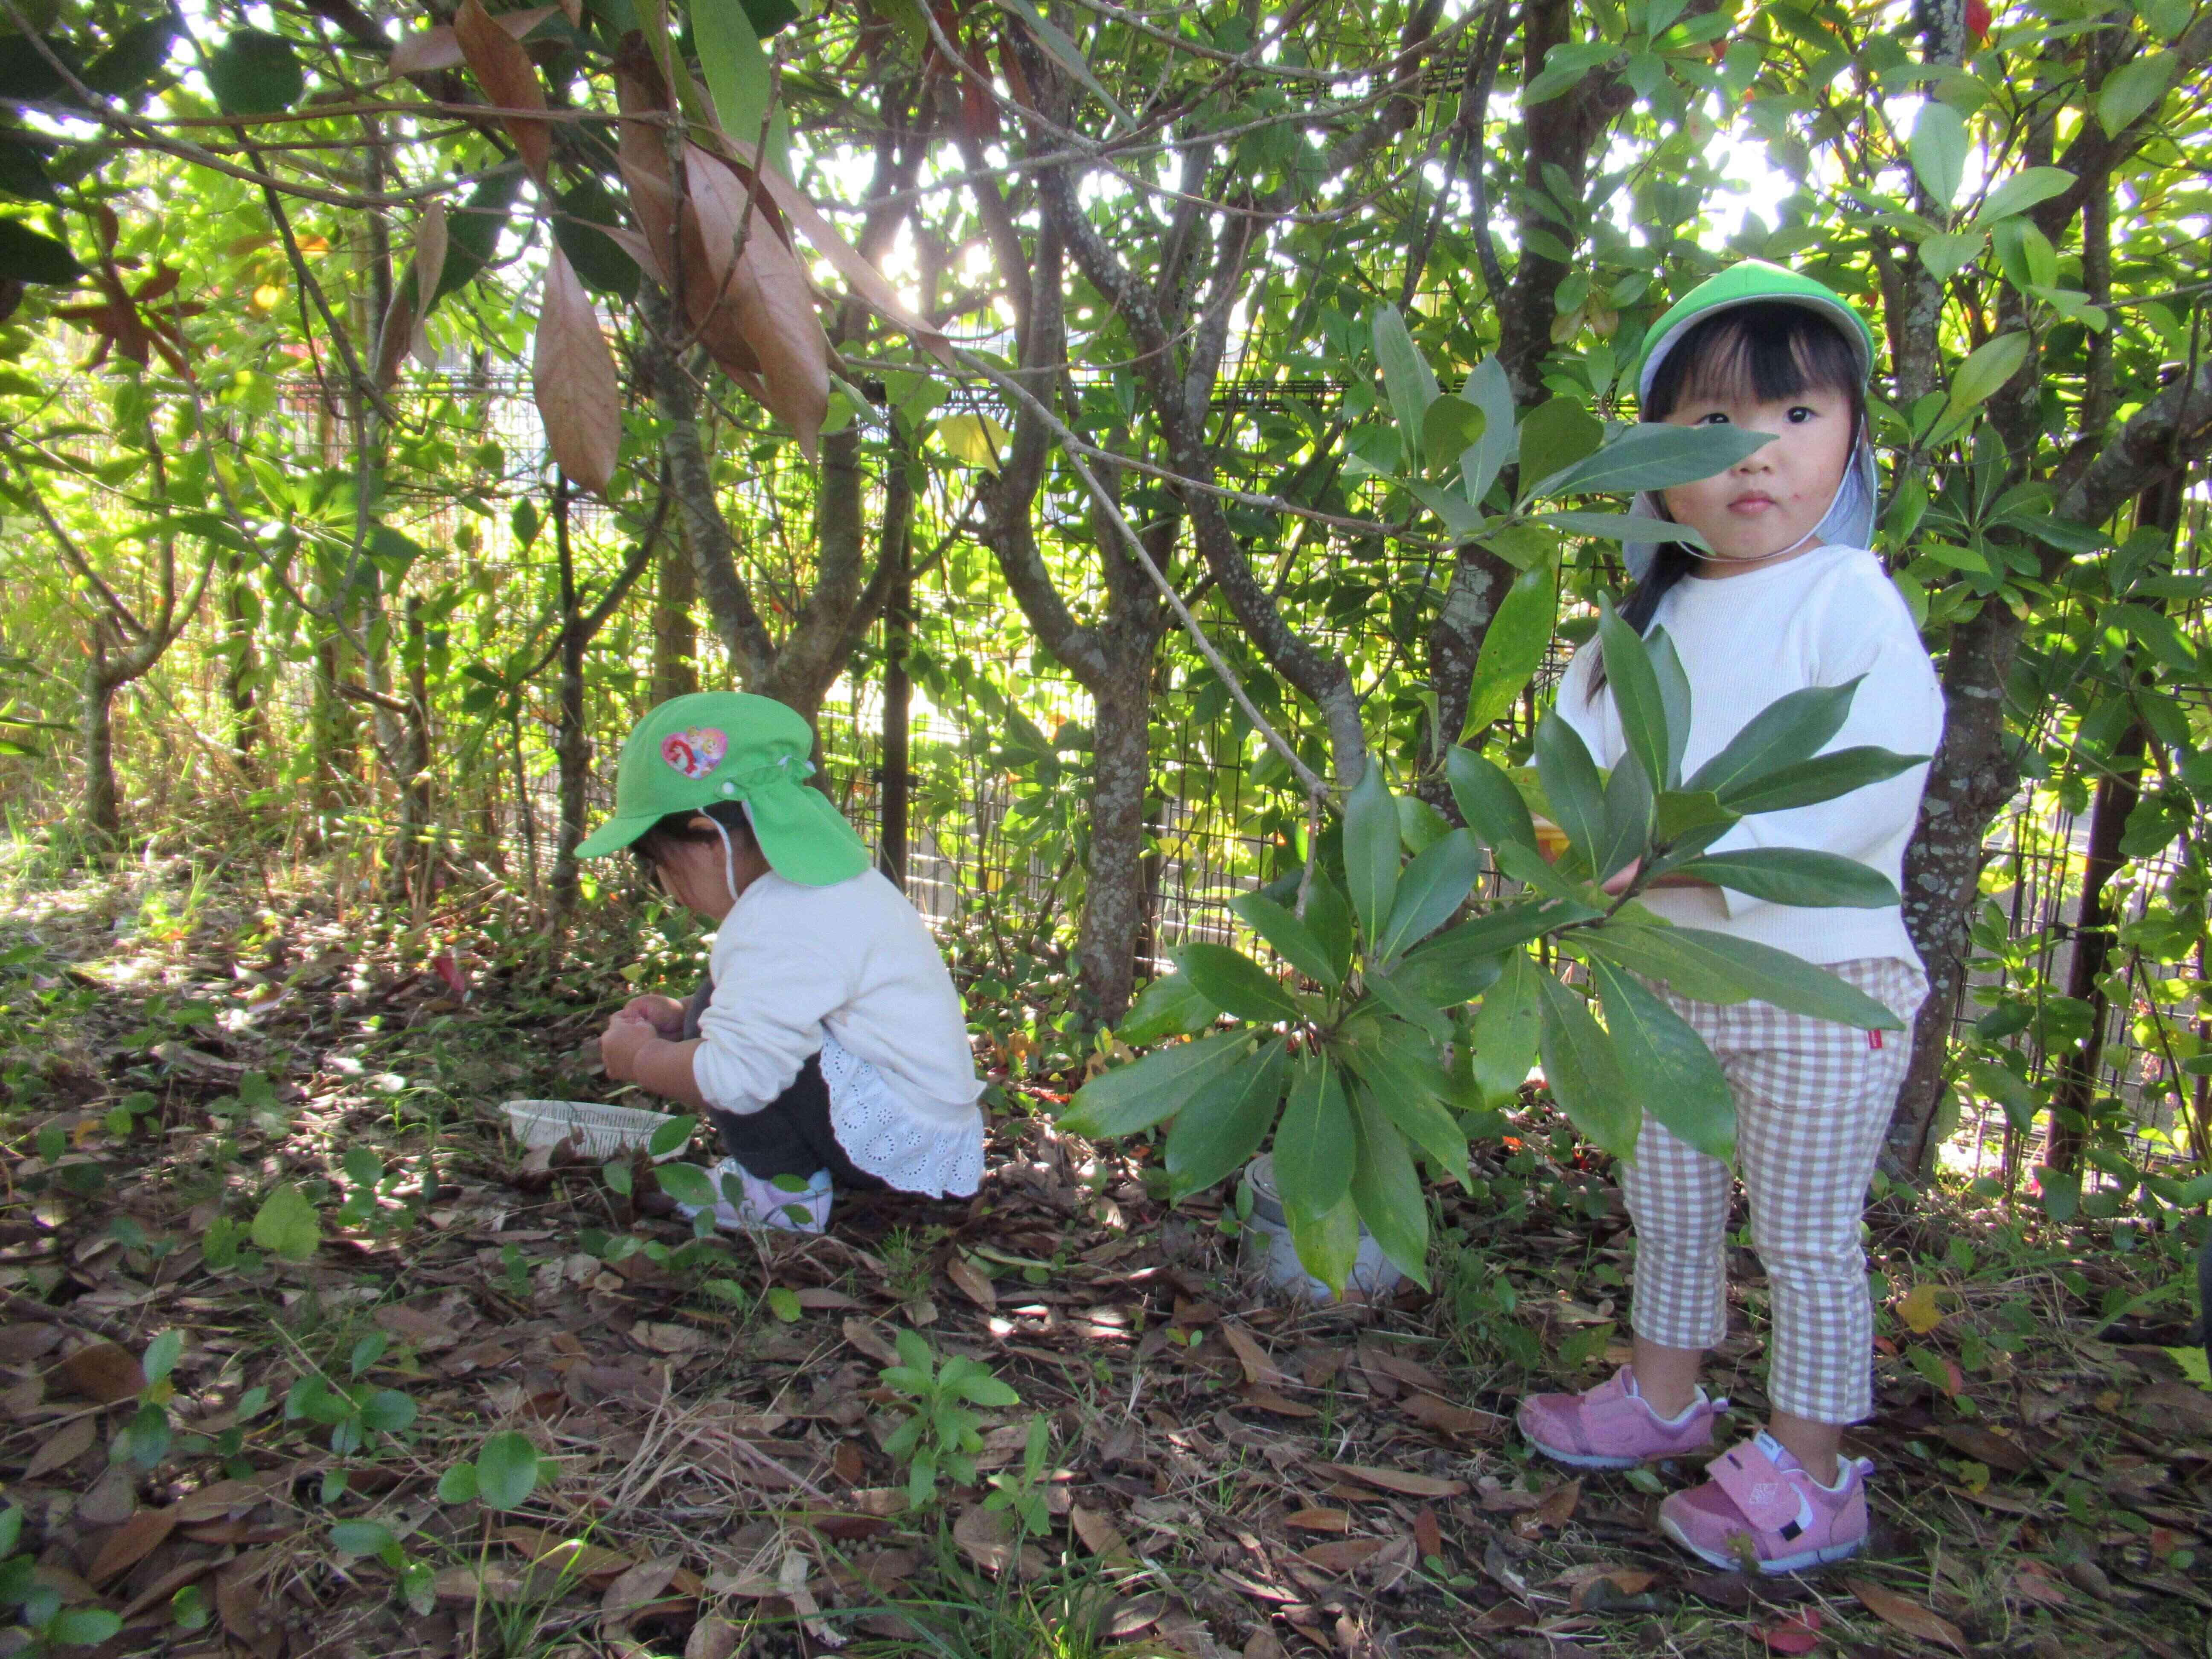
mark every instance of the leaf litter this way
{"type": "Point", "coordinates": [712, 1478]}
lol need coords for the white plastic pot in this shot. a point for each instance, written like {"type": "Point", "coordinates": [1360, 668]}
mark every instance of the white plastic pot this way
{"type": "Point", "coordinates": [1267, 1252]}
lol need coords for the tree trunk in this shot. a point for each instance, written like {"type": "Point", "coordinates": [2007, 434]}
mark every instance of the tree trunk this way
{"type": "Point", "coordinates": [1970, 781]}
{"type": "Point", "coordinates": [100, 816]}
{"type": "Point", "coordinates": [411, 870]}
{"type": "Point", "coordinates": [898, 695]}
{"type": "Point", "coordinates": [1478, 580]}
{"type": "Point", "coordinates": [571, 743]}
{"type": "Point", "coordinates": [2075, 1091]}
{"type": "Point", "coordinates": [241, 669]}
{"type": "Point", "coordinates": [675, 631]}
{"type": "Point", "coordinates": [1114, 911]}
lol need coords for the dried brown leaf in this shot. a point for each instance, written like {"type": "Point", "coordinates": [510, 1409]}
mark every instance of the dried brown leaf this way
{"type": "Point", "coordinates": [712, 1638]}
{"type": "Point", "coordinates": [131, 1543]}
{"type": "Point", "coordinates": [1321, 1520]}
{"type": "Point", "coordinates": [1398, 1480]}
{"type": "Point", "coordinates": [21, 1344]}
{"type": "Point", "coordinates": [973, 1283]}
{"type": "Point", "coordinates": [1986, 1446]}
{"type": "Point", "coordinates": [1099, 1535]}
{"type": "Point", "coordinates": [635, 1590]}
{"type": "Point", "coordinates": [505, 72]}
{"type": "Point", "coordinates": [439, 48]}
{"type": "Point", "coordinates": [870, 1342]}
{"type": "Point", "coordinates": [1444, 1417]}
{"type": "Point", "coordinates": [1900, 1612]}
{"type": "Point", "coordinates": [1559, 1505]}
{"type": "Point", "coordinates": [986, 1538]}
{"type": "Point", "coordinates": [1268, 1400]}
{"type": "Point", "coordinates": [63, 1447]}
{"type": "Point", "coordinates": [1427, 1534]}
{"type": "Point", "coordinates": [112, 1500]}
{"type": "Point", "coordinates": [1341, 1555]}
{"type": "Point", "coordinates": [579, 398]}
{"type": "Point", "coordinates": [1258, 1367]}
{"type": "Point", "coordinates": [104, 1372]}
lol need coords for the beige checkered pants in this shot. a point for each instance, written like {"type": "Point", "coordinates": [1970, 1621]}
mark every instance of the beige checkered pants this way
{"type": "Point", "coordinates": [1813, 1101]}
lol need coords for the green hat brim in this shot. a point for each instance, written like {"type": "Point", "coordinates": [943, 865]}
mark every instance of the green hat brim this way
{"type": "Point", "coordinates": [803, 835]}
{"type": "Point", "coordinates": [613, 836]}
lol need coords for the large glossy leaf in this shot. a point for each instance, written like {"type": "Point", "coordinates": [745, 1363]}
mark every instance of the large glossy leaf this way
{"type": "Point", "coordinates": [1136, 1096]}
{"type": "Point", "coordinates": [1450, 427]}
{"type": "Point", "coordinates": [572, 374]}
{"type": "Point", "coordinates": [1491, 391]}
{"type": "Point", "coordinates": [1555, 435]}
{"type": "Point", "coordinates": [502, 68]}
{"type": "Point", "coordinates": [1792, 728]}
{"type": "Point", "coordinates": [1289, 936]}
{"type": "Point", "coordinates": [1234, 984]}
{"type": "Point", "coordinates": [1436, 883]}
{"type": "Point", "coordinates": [1222, 1125]}
{"type": "Point", "coordinates": [1634, 683]}
{"type": "Point", "coordinates": [254, 72]}
{"type": "Point", "coordinates": [1709, 967]}
{"type": "Point", "coordinates": [1621, 527]}
{"type": "Point", "coordinates": [1653, 455]}
{"type": "Point", "coordinates": [1583, 1070]}
{"type": "Point", "coordinates": [1386, 1190]}
{"type": "Point", "coordinates": [1505, 1028]}
{"type": "Point", "coordinates": [1513, 648]}
{"type": "Point", "coordinates": [1328, 1243]}
{"type": "Point", "coordinates": [1938, 148]}
{"type": "Point", "coordinates": [1371, 849]}
{"type": "Point", "coordinates": [1667, 1062]}
{"type": "Point", "coordinates": [737, 74]}
{"type": "Point", "coordinates": [1628, 819]}
{"type": "Point", "coordinates": [1407, 378]}
{"type": "Point", "coordinates": [1328, 919]}
{"type": "Point", "coordinates": [1414, 1009]}
{"type": "Point", "coordinates": [1673, 683]}
{"type": "Point", "coordinates": [2134, 87]}
{"type": "Point", "coordinates": [1822, 778]}
{"type": "Point", "coordinates": [1988, 366]}
{"type": "Point", "coordinates": [1465, 958]}
{"type": "Point", "coordinates": [1571, 784]}
{"type": "Point", "coordinates": [1169, 1007]}
{"type": "Point", "coordinates": [28, 255]}
{"type": "Point", "coordinates": [1314, 1143]}
{"type": "Point", "coordinates": [1797, 875]}
{"type": "Point", "coordinates": [1403, 1067]}
{"type": "Point", "coordinates": [1488, 801]}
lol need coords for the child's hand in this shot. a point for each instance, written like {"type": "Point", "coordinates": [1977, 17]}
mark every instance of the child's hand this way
{"type": "Point", "coordinates": [1618, 882]}
{"type": "Point", "coordinates": [626, 1034]}
{"type": "Point", "coordinates": [665, 1014]}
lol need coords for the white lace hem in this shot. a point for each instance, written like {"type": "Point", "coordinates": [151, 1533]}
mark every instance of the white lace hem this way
{"type": "Point", "coordinates": [885, 1136]}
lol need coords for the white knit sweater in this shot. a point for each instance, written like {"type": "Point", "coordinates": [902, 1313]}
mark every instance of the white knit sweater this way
{"type": "Point", "coordinates": [849, 972]}
{"type": "Point", "coordinates": [1818, 619]}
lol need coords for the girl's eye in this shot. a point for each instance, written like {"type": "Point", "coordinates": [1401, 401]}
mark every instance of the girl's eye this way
{"type": "Point", "coordinates": [1800, 415]}
{"type": "Point", "coordinates": [1714, 419]}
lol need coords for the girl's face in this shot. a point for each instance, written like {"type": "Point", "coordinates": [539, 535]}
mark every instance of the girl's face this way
{"type": "Point", "coordinates": [693, 874]}
{"type": "Point", "coordinates": [1761, 510]}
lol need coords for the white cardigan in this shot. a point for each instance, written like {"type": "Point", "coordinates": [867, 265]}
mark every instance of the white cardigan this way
{"type": "Point", "coordinates": [1818, 619]}
{"type": "Point", "coordinates": [849, 972]}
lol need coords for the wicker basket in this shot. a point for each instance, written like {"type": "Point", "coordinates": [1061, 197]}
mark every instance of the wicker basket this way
{"type": "Point", "coordinates": [601, 1131]}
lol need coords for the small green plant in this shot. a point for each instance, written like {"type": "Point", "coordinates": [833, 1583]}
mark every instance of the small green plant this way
{"type": "Point", "coordinates": [944, 1433]}
{"type": "Point", "coordinates": [1020, 1489]}
{"type": "Point", "coordinates": [353, 1414]}
{"type": "Point", "coordinates": [50, 1624]}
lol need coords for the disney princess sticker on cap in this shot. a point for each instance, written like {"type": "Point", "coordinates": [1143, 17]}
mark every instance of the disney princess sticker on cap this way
{"type": "Point", "coordinates": [696, 752]}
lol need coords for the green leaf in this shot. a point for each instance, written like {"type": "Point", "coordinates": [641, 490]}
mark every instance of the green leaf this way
{"type": "Point", "coordinates": [1489, 390]}
{"type": "Point", "coordinates": [1328, 919]}
{"type": "Point", "coordinates": [1584, 1072]}
{"type": "Point", "coordinates": [1313, 1142]}
{"type": "Point", "coordinates": [1679, 813]}
{"type": "Point", "coordinates": [474, 231]}
{"type": "Point", "coordinates": [1328, 1243]}
{"type": "Point", "coordinates": [1571, 784]}
{"type": "Point", "coordinates": [160, 1357]}
{"type": "Point", "coordinates": [26, 255]}
{"type": "Point", "coordinates": [1436, 979]}
{"type": "Point", "coordinates": [1488, 799]}
{"type": "Point", "coordinates": [1403, 1077]}
{"type": "Point", "coordinates": [1386, 1190]}
{"type": "Point", "coordinates": [1797, 875]}
{"type": "Point", "coordinates": [1822, 778]}
{"type": "Point", "coordinates": [672, 1136]}
{"type": "Point", "coordinates": [1463, 519]}
{"type": "Point", "coordinates": [974, 440]}
{"type": "Point", "coordinates": [1505, 1027]}
{"type": "Point", "coordinates": [1069, 54]}
{"type": "Point", "coordinates": [1555, 435]}
{"type": "Point", "coordinates": [256, 73]}
{"type": "Point", "coordinates": [1436, 883]}
{"type": "Point", "coordinates": [1235, 984]}
{"type": "Point", "coordinates": [687, 1183]}
{"type": "Point", "coordinates": [1451, 426]}
{"type": "Point", "coordinates": [133, 59]}
{"type": "Point", "coordinates": [738, 76]}
{"type": "Point", "coordinates": [285, 1225]}
{"type": "Point", "coordinates": [1513, 648]}
{"type": "Point", "coordinates": [458, 1484]}
{"type": "Point", "coordinates": [1635, 686]}
{"type": "Point", "coordinates": [1216, 1133]}
{"type": "Point", "coordinates": [1709, 967]}
{"type": "Point", "coordinates": [1132, 1098]}
{"type": "Point", "coordinates": [387, 1410]}
{"type": "Point", "coordinates": [507, 1471]}
{"type": "Point", "coordinates": [2133, 89]}
{"type": "Point", "coordinates": [1462, 963]}
{"type": "Point", "coordinates": [1168, 1007]}
{"type": "Point", "coordinates": [587, 212]}
{"type": "Point", "coordinates": [11, 1528]}
{"type": "Point", "coordinates": [2024, 189]}
{"type": "Point", "coordinates": [1674, 699]}
{"type": "Point", "coordinates": [361, 1538]}
{"type": "Point", "coordinates": [1947, 256]}
{"type": "Point", "coordinates": [1407, 378]}
{"type": "Point", "coordinates": [1371, 849]}
{"type": "Point", "coordinates": [1628, 819]}
{"type": "Point", "coordinates": [1289, 938]}
{"type": "Point", "coordinates": [1791, 729]}
{"type": "Point", "coordinates": [1622, 527]}
{"type": "Point", "coordinates": [1653, 455]}
{"type": "Point", "coordinates": [84, 1627]}
{"type": "Point", "coordinates": [1938, 147]}
{"type": "Point", "coordinates": [1987, 368]}
{"type": "Point", "coordinates": [1674, 1073]}
{"type": "Point", "coordinates": [23, 170]}
{"type": "Point", "coordinates": [1410, 1005]}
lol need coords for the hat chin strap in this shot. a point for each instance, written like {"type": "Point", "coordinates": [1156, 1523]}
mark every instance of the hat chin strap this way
{"type": "Point", "coordinates": [729, 856]}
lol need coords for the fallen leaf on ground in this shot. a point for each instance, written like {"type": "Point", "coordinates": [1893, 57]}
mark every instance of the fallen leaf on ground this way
{"type": "Point", "coordinates": [986, 1538]}
{"type": "Point", "coordinates": [1320, 1521]}
{"type": "Point", "coordinates": [1426, 1533]}
{"type": "Point", "coordinates": [1397, 1480]}
{"type": "Point", "coordinates": [67, 1443]}
{"type": "Point", "coordinates": [971, 1282]}
{"type": "Point", "coordinates": [1918, 1310]}
{"type": "Point", "coordinates": [1559, 1505]}
{"type": "Point", "coordinates": [104, 1372]}
{"type": "Point", "coordinates": [1900, 1612]}
{"type": "Point", "coordinates": [1340, 1554]}
{"type": "Point", "coordinates": [1258, 1367]}
{"type": "Point", "coordinates": [1099, 1535]}
{"type": "Point", "coordinates": [1799, 1633]}
{"type": "Point", "coordinates": [1430, 1412]}
{"type": "Point", "coordinates": [870, 1342]}
{"type": "Point", "coordinates": [131, 1543]}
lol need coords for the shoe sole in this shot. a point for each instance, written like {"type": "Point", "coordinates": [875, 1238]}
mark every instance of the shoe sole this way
{"type": "Point", "coordinates": [1801, 1562]}
{"type": "Point", "coordinates": [1586, 1460]}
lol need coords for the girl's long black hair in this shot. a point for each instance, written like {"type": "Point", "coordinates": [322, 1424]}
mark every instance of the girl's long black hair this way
{"type": "Point", "coordinates": [1768, 348]}
{"type": "Point", "coordinates": [674, 829]}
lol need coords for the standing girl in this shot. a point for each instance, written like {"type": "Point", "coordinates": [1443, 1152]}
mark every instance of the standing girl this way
{"type": "Point", "coordinates": [829, 1047]}
{"type": "Point", "coordinates": [1787, 596]}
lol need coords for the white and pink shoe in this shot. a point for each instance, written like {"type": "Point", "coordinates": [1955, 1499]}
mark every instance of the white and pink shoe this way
{"type": "Point", "coordinates": [1760, 1510]}
{"type": "Point", "coordinates": [748, 1200]}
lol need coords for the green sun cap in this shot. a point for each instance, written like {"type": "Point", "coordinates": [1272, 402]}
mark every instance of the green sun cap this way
{"type": "Point", "coordinates": [731, 746]}
{"type": "Point", "coordinates": [1741, 284]}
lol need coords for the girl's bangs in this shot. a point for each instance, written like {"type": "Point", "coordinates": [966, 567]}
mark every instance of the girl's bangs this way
{"type": "Point", "coordinates": [1757, 353]}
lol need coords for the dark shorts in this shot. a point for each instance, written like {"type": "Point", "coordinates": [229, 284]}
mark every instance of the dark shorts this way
{"type": "Point", "coordinates": [792, 1135]}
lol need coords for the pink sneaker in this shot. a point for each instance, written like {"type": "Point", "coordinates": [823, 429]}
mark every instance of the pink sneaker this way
{"type": "Point", "coordinates": [1761, 1511]}
{"type": "Point", "coordinates": [1612, 1427]}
